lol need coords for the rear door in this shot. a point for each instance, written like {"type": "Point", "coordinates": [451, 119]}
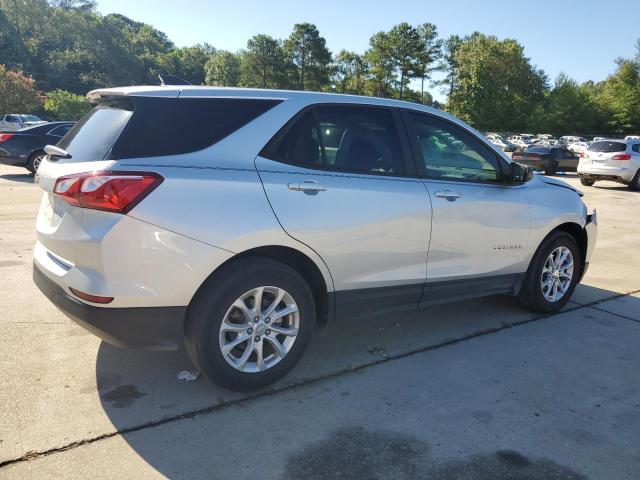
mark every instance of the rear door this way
{"type": "Point", "coordinates": [339, 180]}
{"type": "Point", "coordinates": [480, 225]}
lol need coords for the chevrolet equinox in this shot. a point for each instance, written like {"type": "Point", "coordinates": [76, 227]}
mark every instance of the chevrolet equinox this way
{"type": "Point", "coordinates": [233, 219]}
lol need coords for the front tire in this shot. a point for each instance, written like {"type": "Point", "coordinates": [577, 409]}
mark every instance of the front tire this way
{"type": "Point", "coordinates": [249, 323]}
{"type": "Point", "coordinates": [552, 275]}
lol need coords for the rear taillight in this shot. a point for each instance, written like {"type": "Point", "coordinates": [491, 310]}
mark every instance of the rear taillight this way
{"type": "Point", "coordinates": [111, 191]}
{"type": "Point", "coordinates": [5, 136]}
{"type": "Point", "coordinates": [621, 156]}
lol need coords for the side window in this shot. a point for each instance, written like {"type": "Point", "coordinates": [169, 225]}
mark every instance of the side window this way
{"type": "Point", "coordinates": [636, 147]}
{"type": "Point", "coordinates": [60, 131]}
{"type": "Point", "coordinates": [360, 139]}
{"type": "Point", "coordinates": [342, 138]}
{"type": "Point", "coordinates": [11, 118]}
{"type": "Point", "coordinates": [450, 153]}
{"type": "Point", "coordinates": [300, 146]}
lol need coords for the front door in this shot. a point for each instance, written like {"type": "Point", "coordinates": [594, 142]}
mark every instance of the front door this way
{"type": "Point", "coordinates": [480, 225]}
{"type": "Point", "coordinates": [337, 181]}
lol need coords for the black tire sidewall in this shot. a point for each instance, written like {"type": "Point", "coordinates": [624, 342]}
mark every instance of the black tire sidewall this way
{"type": "Point", "coordinates": [634, 185]}
{"type": "Point", "coordinates": [587, 182]}
{"type": "Point", "coordinates": [215, 298]}
{"type": "Point", "coordinates": [534, 298]}
{"type": "Point", "coordinates": [551, 168]}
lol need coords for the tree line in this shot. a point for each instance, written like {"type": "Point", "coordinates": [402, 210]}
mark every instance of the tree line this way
{"type": "Point", "coordinates": [68, 48]}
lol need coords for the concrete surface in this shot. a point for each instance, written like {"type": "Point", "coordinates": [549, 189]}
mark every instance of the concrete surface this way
{"type": "Point", "coordinates": [452, 392]}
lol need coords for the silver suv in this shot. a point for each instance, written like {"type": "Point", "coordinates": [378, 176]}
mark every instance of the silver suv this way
{"type": "Point", "coordinates": [233, 219]}
{"type": "Point", "coordinates": [617, 160]}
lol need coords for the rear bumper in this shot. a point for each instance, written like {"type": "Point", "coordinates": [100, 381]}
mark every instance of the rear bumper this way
{"type": "Point", "coordinates": [616, 174]}
{"type": "Point", "coordinates": [152, 328]}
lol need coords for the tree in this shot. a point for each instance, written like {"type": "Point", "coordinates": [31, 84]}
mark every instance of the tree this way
{"type": "Point", "coordinates": [350, 72]}
{"type": "Point", "coordinates": [223, 69]}
{"type": "Point", "coordinates": [382, 66]}
{"type": "Point", "coordinates": [263, 63]}
{"type": "Point", "coordinates": [63, 105]}
{"type": "Point", "coordinates": [309, 57]}
{"type": "Point", "coordinates": [496, 87]}
{"type": "Point", "coordinates": [405, 49]}
{"type": "Point", "coordinates": [569, 108]}
{"type": "Point", "coordinates": [620, 94]}
{"type": "Point", "coordinates": [17, 92]}
{"type": "Point", "coordinates": [429, 53]}
{"type": "Point", "coordinates": [449, 64]}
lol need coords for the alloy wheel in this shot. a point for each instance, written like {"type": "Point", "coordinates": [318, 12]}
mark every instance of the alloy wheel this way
{"type": "Point", "coordinates": [557, 274]}
{"type": "Point", "coordinates": [259, 329]}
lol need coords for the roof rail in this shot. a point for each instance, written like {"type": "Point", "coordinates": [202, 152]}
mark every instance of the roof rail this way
{"type": "Point", "coordinates": [171, 80]}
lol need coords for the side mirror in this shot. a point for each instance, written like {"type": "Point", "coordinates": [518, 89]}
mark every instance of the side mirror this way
{"type": "Point", "coordinates": [519, 173]}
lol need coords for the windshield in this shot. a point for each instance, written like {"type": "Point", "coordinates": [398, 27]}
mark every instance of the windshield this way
{"type": "Point", "coordinates": [607, 146]}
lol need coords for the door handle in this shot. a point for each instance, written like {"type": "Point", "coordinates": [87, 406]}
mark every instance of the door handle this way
{"type": "Point", "coordinates": [450, 195]}
{"type": "Point", "coordinates": [310, 187]}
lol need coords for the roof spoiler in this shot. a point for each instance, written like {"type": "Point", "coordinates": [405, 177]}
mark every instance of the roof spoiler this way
{"type": "Point", "coordinates": [171, 80]}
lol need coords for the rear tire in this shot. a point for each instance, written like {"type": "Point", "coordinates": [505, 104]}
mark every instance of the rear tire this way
{"type": "Point", "coordinates": [536, 289]}
{"type": "Point", "coordinates": [634, 185]}
{"type": "Point", "coordinates": [229, 296]}
{"type": "Point", "coordinates": [33, 162]}
{"type": "Point", "coordinates": [551, 168]}
{"type": "Point", "coordinates": [587, 182]}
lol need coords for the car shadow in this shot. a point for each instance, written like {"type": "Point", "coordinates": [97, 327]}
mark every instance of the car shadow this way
{"type": "Point", "coordinates": [139, 389]}
{"type": "Point", "coordinates": [18, 177]}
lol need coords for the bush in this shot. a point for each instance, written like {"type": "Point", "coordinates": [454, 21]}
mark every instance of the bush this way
{"type": "Point", "coordinates": [17, 93]}
{"type": "Point", "coordinates": [63, 105]}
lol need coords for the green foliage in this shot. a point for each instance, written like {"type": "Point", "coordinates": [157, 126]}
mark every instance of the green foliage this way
{"type": "Point", "coordinates": [223, 69]}
{"type": "Point", "coordinates": [350, 72]}
{"type": "Point", "coordinates": [17, 93]}
{"type": "Point", "coordinates": [308, 57]}
{"type": "Point", "coordinates": [263, 63]}
{"type": "Point", "coordinates": [63, 105]}
{"type": "Point", "coordinates": [496, 87]}
{"type": "Point", "coordinates": [620, 94]}
{"type": "Point", "coordinates": [67, 45]}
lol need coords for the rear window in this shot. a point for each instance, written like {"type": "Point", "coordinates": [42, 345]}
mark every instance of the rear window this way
{"type": "Point", "coordinates": [607, 146]}
{"type": "Point", "coordinates": [154, 126]}
{"type": "Point", "coordinates": [93, 136]}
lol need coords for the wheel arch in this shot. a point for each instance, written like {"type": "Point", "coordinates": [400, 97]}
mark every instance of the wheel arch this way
{"type": "Point", "coordinates": [297, 260]}
{"type": "Point", "coordinates": [579, 234]}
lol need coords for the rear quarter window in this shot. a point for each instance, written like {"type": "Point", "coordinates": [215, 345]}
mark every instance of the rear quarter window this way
{"type": "Point", "coordinates": [173, 126]}
{"type": "Point", "coordinates": [154, 127]}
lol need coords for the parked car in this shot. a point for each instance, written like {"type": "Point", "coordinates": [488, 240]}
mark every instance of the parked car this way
{"type": "Point", "coordinates": [14, 121]}
{"type": "Point", "coordinates": [598, 139]}
{"type": "Point", "coordinates": [550, 159]}
{"type": "Point", "coordinates": [25, 148]}
{"type": "Point", "coordinates": [521, 141]}
{"type": "Point", "coordinates": [575, 144]}
{"type": "Point", "coordinates": [632, 137]}
{"type": "Point", "coordinates": [500, 142]}
{"type": "Point", "coordinates": [617, 160]}
{"type": "Point", "coordinates": [232, 219]}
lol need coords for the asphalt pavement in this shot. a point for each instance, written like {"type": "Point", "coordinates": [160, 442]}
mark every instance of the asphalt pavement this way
{"type": "Point", "coordinates": [474, 390]}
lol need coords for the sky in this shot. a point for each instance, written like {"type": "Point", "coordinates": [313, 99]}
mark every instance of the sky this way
{"type": "Point", "coordinates": [580, 38]}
